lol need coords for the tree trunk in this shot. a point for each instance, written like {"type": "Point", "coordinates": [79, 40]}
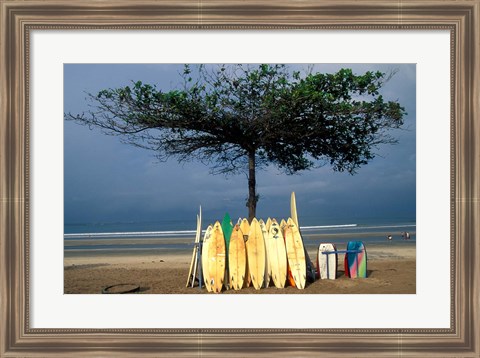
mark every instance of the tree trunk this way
{"type": "Point", "coordinates": [252, 183]}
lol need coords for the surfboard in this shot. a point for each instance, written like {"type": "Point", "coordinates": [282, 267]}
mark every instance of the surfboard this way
{"type": "Point", "coordinates": [268, 270]}
{"type": "Point", "coordinates": [206, 240]}
{"type": "Point", "coordinates": [295, 254]}
{"type": "Point", "coordinates": [256, 254]}
{"type": "Point", "coordinates": [310, 267]}
{"type": "Point", "coordinates": [216, 258]}
{"type": "Point", "coordinates": [327, 264]}
{"type": "Point", "coordinates": [227, 228]}
{"type": "Point", "coordinates": [277, 254]}
{"type": "Point", "coordinates": [356, 263]}
{"type": "Point", "coordinates": [293, 208]}
{"type": "Point", "coordinates": [290, 280]}
{"type": "Point", "coordinates": [268, 223]}
{"type": "Point", "coordinates": [237, 259]}
{"type": "Point", "coordinates": [245, 228]}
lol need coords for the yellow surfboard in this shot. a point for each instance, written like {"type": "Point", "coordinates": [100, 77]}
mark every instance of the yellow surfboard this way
{"type": "Point", "coordinates": [283, 227]}
{"type": "Point", "coordinates": [293, 212]}
{"type": "Point", "coordinates": [237, 259]}
{"type": "Point", "coordinates": [277, 255]}
{"type": "Point", "coordinates": [206, 240]}
{"type": "Point", "coordinates": [268, 270]}
{"type": "Point", "coordinates": [216, 258]}
{"type": "Point", "coordinates": [268, 223]}
{"type": "Point", "coordinates": [295, 254]}
{"type": "Point", "coordinates": [245, 228]}
{"type": "Point", "coordinates": [256, 254]}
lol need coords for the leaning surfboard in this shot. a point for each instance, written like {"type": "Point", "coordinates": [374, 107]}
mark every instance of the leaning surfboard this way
{"type": "Point", "coordinates": [237, 259]}
{"type": "Point", "coordinates": [327, 263]}
{"type": "Point", "coordinates": [283, 228]}
{"type": "Point", "coordinates": [268, 270]}
{"type": "Point", "coordinates": [277, 254]}
{"type": "Point", "coordinates": [256, 254]}
{"type": "Point", "coordinates": [295, 254]}
{"type": "Point", "coordinates": [245, 228]}
{"type": "Point", "coordinates": [206, 240]}
{"type": "Point", "coordinates": [227, 228]}
{"type": "Point", "coordinates": [268, 223]}
{"type": "Point", "coordinates": [356, 260]}
{"type": "Point", "coordinates": [216, 258]}
{"type": "Point", "coordinates": [293, 211]}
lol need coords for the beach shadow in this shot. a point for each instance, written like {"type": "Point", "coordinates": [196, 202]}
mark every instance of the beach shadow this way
{"type": "Point", "coordinates": [121, 289]}
{"type": "Point", "coordinates": [342, 273]}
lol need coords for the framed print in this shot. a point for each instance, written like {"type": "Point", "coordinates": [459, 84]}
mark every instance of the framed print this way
{"type": "Point", "coordinates": [46, 46]}
{"type": "Point", "coordinates": [95, 238]}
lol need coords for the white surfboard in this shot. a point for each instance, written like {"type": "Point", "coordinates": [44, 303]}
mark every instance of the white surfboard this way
{"type": "Point", "coordinates": [278, 254]}
{"type": "Point", "coordinates": [327, 264]}
{"type": "Point", "coordinates": [205, 272]}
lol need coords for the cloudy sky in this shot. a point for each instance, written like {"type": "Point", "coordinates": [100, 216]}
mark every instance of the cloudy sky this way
{"type": "Point", "coordinates": [107, 181]}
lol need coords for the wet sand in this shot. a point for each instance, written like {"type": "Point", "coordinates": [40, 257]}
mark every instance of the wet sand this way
{"type": "Point", "coordinates": [391, 270]}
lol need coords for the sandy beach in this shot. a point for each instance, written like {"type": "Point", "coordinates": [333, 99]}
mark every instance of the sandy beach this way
{"type": "Point", "coordinates": [391, 270]}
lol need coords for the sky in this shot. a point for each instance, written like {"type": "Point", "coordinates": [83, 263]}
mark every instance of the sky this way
{"type": "Point", "coordinates": [106, 181]}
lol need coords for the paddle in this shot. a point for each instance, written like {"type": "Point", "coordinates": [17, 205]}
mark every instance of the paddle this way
{"type": "Point", "coordinates": [194, 261]}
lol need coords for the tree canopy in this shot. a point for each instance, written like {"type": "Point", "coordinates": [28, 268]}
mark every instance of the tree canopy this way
{"type": "Point", "coordinates": [240, 118]}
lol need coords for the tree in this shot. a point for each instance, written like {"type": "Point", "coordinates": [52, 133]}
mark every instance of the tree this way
{"type": "Point", "coordinates": [240, 118]}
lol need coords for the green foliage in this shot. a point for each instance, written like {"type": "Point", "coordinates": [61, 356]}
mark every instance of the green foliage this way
{"type": "Point", "coordinates": [220, 115]}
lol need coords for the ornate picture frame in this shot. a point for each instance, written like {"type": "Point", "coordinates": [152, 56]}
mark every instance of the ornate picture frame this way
{"type": "Point", "coordinates": [19, 18]}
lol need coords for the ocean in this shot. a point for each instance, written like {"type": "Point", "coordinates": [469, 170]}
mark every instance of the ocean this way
{"type": "Point", "coordinates": [178, 236]}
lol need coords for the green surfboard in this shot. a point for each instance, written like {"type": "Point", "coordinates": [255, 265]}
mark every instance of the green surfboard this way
{"type": "Point", "coordinates": [227, 228]}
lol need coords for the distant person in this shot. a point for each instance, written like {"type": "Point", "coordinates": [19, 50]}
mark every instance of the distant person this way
{"type": "Point", "coordinates": [407, 236]}
{"type": "Point", "coordinates": [389, 237]}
